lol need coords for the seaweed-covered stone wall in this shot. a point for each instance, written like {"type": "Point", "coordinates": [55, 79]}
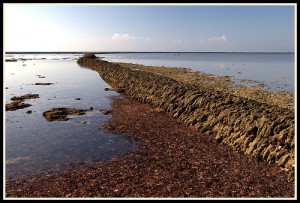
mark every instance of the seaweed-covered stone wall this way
{"type": "Point", "coordinates": [257, 129]}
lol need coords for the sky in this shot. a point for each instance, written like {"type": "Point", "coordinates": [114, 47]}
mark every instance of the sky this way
{"type": "Point", "coordinates": [154, 27]}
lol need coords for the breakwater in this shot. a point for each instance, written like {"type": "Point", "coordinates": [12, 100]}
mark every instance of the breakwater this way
{"type": "Point", "coordinates": [257, 129]}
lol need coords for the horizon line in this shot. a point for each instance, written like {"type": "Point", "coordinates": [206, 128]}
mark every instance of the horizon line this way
{"type": "Point", "coordinates": [108, 52]}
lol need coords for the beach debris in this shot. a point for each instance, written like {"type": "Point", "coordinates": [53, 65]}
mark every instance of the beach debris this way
{"type": "Point", "coordinates": [60, 114]}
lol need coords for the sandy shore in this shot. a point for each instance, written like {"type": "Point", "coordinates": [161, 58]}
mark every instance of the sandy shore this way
{"type": "Point", "coordinates": [173, 161]}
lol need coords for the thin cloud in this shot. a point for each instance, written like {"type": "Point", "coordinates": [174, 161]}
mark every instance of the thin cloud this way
{"type": "Point", "coordinates": [128, 36]}
{"type": "Point", "coordinates": [222, 38]}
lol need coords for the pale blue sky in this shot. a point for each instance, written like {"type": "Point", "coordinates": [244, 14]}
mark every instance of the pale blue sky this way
{"type": "Point", "coordinates": [229, 28]}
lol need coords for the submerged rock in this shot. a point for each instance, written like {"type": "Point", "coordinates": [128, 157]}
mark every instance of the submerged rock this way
{"type": "Point", "coordinates": [18, 102]}
{"type": "Point", "coordinates": [26, 96]}
{"type": "Point", "coordinates": [105, 111]}
{"type": "Point", "coordinates": [16, 105]}
{"type": "Point", "coordinates": [108, 89]}
{"type": "Point", "coordinates": [60, 114]}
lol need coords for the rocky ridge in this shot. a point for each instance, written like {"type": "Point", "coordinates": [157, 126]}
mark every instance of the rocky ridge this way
{"type": "Point", "coordinates": [260, 130]}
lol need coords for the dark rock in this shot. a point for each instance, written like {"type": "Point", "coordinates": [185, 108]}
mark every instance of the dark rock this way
{"type": "Point", "coordinates": [60, 114]}
{"type": "Point", "coordinates": [108, 89]}
{"type": "Point", "coordinates": [26, 96]}
{"type": "Point", "coordinates": [11, 60]}
{"type": "Point", "coordinates": [43, 83]}
{"type": "Point", "coordinates": [89, 55]}
{"type": "Point", "coordinates": [105, 111]}
{"type": "Point", "coordinates": [16, 105]}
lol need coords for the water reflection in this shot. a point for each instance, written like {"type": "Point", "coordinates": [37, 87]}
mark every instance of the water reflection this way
{"type": "Point", "coordinates": [276, 70]}
{"type": "Point", "coordinates": [32, 144]}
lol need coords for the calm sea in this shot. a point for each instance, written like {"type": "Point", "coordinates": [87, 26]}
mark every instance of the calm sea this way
{"type": "Point", "coordinates": [275, 70]}
{"type": "Point", "coordinates": [32, 144]}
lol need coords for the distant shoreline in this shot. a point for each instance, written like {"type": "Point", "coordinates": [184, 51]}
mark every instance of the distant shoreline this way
{"type": "Point", "coordinates": [136, 52]}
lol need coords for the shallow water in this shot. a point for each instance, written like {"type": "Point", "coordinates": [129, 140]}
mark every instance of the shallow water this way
{"type": "Point", "coordinates": [275, 70]}
{"type": "Point", "coordinates": [32, 144]}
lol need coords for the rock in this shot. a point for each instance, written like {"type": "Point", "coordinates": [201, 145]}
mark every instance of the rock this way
{"type": "Point", "coordinates": [105, 111]}
{"type": "Point", "coordinates": [18, 102]}
{"type": "Point", "coordinates": [11, 60]}
{"type": "Point", "coordinates": [86, 122]}
{"type": "Point", "coordinates": [121, 90]}
{"type": "Point", "coordinates": [29, 112]}
{"type": "Point", "coordinates": [43, 83]}
{"type": "Point", "coordinates": [108, 89]}
{"type": "Point", "coordinates": [77, 99]}
{"type": "Point", "coordinates": [89, 55]}
{"type": "Point", "coordinates": [60, 114]}
{"type": "Point", "coordinates": [16, 105]}
{"type": "Point", "coordinates": [26, 96]}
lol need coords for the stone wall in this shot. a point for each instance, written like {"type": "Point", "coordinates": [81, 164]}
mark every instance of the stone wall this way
{"type": "Point", "coordinates": [257, 129]}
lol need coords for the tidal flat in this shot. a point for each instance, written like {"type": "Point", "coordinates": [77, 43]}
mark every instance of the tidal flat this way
{"type": "Point", "coordinates": [174, 158]}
